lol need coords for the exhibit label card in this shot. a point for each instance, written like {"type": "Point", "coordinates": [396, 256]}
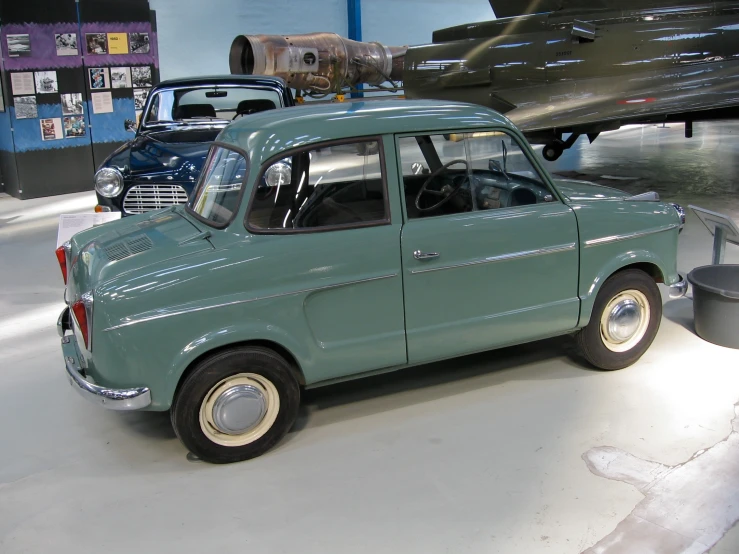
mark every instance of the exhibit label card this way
{"type": "Point", "coordinates": [71, 224]}
{"type": "Point", "coordinates": [117, 43]}
{"type": "Point", "coordinates": [22, 83]}
{"type": "Point", "coordinates": [102, 102]}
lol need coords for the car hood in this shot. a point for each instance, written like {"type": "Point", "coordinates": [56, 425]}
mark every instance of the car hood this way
{"type": "Point", "coordinates": [132, 243]}
{"type": "Point", "coordinates": [174, 154]}
{"type": "Point", "coordinates": [584, 191]}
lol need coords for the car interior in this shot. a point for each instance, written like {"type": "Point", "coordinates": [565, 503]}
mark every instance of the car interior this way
{"type": "Point", "coordinates": [433, 187]}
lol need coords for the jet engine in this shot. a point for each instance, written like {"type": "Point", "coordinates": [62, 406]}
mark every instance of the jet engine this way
{"type": "Point", "coordinates": [318, 63]}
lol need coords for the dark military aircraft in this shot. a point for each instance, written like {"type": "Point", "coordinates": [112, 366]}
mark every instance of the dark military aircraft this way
{"type": "Point", "coordinates": [560, 69]}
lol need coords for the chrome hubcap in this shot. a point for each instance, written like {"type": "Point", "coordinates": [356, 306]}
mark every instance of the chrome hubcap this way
{"type": "Point", "coordinates": [239, 409]}
{"type": "Point", "coordinates": [625, 321]}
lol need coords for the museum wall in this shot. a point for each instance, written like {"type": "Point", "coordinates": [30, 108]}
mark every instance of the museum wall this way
{"type": "Point", "coordinates": [194, 43]}
{"type": "Point", "coordinates": [411, 22]}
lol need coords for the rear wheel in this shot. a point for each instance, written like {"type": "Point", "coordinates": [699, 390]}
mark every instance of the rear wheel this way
{"type": "Point", "coordinates": [626, 317]}
{"type": "Point", "coordinates": [236, 405]}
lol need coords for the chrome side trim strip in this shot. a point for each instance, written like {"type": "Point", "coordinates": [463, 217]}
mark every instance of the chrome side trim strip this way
{"type": "Point", "coordinates": [629, 236]}
{"type": "Point", "coordinates": [503, 258]}
{"type": "Point", "coordinates": [163, 314]}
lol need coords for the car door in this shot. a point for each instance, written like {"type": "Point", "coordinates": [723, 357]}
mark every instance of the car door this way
{"type": "Point", "coordinates": [322, 226]}
{"type": "Point", "coordinates": [497, 262]}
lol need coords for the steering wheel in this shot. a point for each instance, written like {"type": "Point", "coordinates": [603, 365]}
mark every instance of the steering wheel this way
{"type": "Point", "coordinates": [446, 193]}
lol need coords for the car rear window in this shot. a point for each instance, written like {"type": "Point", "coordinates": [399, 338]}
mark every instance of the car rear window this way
{"type": "Point", "coordinates": [338, 185]}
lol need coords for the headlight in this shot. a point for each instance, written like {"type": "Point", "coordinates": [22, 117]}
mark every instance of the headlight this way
{"type": "Point", "coordinates": [279, 174]}
{"type": "Point", "coordinates": [108, 182]}
{"type": "Point", "coordinates": [681, 213]}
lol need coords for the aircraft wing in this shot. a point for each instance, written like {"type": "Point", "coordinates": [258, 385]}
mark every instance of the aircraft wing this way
{"type": "Point", "coordinates": [514, 8]}
{"type": "Point", "coordinates": [705, 94]}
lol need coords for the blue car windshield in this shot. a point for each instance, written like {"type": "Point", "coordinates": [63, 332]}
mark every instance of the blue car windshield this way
{"type": "Point", "coordinates": [208, 104]}
{"type": "Point", "coordinates": [219, 190]}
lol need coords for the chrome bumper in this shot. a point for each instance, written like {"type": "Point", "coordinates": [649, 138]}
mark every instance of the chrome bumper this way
{"type": "Point", "coordinates": [679, 289]}
{"type": "Point", "coordinates": [112, 399]}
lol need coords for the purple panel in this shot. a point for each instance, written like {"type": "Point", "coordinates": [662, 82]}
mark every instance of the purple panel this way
{"type": "Point", "coordinates": [104, 60]}
{"type": "Point", "coordinates": [43, 46]}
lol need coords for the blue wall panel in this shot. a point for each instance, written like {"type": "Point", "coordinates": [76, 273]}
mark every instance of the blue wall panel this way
{"type": "Point", "coordinates": [108, 127]}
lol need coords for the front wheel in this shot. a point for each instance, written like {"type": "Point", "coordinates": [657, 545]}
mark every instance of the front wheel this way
{"type": "Point", "coordinates": [626, 317]}
{"type": "Point", "coordinates": [236, 405]}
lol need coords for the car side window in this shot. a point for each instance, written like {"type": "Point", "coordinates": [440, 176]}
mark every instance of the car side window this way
{"type": "Point", "coordinates": [336, 185]}
{"type": "Point", "coordinates": [457, 173]}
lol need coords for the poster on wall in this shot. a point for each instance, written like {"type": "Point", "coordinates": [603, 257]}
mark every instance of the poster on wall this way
{"type": "Point", "coordinates": [102, 102]}
{"type": "Point", "coordinates": [74, 127]}
{"type": "Point", "coordinates": [141, 76]}
{"type": "Point", "coordinates": [22, 83]}
{"type": "Point", "coordinates": [51, 129]}
{"type": "Point", "coordinates": [117, 43]}
{"type": "Point", "coordinates": [46, 82]}
{"type": "Point", "coordinates": [2, 100]}
{"type": "Point", "coordinates": [72, 104]}
{"type": "Point", "coordinates": [139, 43]}
{"type": "Point", "coordinates": [97, 43]}
{"type": "Point", "coordinates": [66, 44]}
{"type": "Point", "coordinates": [19, 46]}
{"type": "Point", "coordinates": [25, 107]}
{"type": "Point", "coordinates": [139, 98]}
{"type": "Point", "coordinates": [120, 77]}
{"type": "Point", "coordinates": [99, 78]}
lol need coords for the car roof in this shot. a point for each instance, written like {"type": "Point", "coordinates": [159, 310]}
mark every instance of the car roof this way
{"type": "Point", "coordinates": [266, 134]}
{"type": "Point", "coordinates": [222, 80]}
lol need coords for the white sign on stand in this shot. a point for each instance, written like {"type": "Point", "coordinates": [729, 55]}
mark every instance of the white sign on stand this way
{"type": "Point", "coordinates": [70, 224]}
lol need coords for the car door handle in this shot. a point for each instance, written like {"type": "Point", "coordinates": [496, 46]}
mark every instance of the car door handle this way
{"type": "Point", "coordinates": [425, 255]}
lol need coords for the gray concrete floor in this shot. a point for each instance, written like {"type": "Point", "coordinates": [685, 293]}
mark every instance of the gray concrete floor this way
{"type": "Point", "coordinates": [483, 454]}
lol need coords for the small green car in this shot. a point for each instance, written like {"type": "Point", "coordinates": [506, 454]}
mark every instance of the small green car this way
{"type": "Point", "coordinates": [335, 241]}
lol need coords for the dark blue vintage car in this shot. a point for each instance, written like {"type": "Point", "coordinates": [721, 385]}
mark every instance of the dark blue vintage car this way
{"type": "Point", "coordinates": [161, 165]}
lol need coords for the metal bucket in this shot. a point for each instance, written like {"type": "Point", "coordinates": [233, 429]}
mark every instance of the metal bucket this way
{"type": "Point", "coordinates": [716, 303]}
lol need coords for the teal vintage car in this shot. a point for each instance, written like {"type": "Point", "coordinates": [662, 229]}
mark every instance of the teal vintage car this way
{"type": "Point", "coordinates": [343, 240]}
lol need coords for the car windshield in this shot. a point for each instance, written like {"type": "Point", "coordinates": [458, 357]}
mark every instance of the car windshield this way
{"type": "Point", "coordinates": [219, 190]}
{"type": "Point", "coordinates": [209, 104]}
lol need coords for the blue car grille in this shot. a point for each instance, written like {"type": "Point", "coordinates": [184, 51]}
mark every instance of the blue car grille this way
{"type": "Point", "coordinates": [153, 196]}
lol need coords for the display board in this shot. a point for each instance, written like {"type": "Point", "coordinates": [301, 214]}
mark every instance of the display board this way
{"type": "Point", "coordinates": [70, 81]}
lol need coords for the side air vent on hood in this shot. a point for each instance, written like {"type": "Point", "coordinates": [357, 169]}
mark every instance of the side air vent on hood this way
{"type": "Point", "coordinates": [128, 247]}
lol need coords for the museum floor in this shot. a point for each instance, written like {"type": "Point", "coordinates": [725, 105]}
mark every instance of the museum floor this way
{"type": "Point", "coordinates": [483, 454]}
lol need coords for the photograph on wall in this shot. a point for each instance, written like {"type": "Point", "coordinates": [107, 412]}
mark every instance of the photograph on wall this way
{"type": "Point", "coordinates": [46, 82]}
{"type": "Point", "coordinates": [19, 46]}
{"type": "Point", "coordinates": [97, 43]}
{"type": "Point", "coordinates": [2, 100]}
{"type": "Point", "coordinates": [139, 43]}
{"type": "Point", "coordinates": [117, 43]}
{"type": "Point", "coordinates": [99, 78]}
{"type": "Point", "coordinates": [74, 127]}
{"type": "Point", "coordinates": [141, 76]}
{"type": "Point", "coordinates": [22, 83]}
{"type": "Point", "coordinates": [72, 104]}
{"type": "Point", "coordinates": [25, 107]}
{"type": "Point", "coordinates": [66, 44]}
{"type": "Point", "coordinates": [102, 102]}
{"type": "Point", "coordinates": [139, 98]}
{"type": "Point", "coordinates": [120, 77]}
{"type": "Point", "coordinates": [51, 129]}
